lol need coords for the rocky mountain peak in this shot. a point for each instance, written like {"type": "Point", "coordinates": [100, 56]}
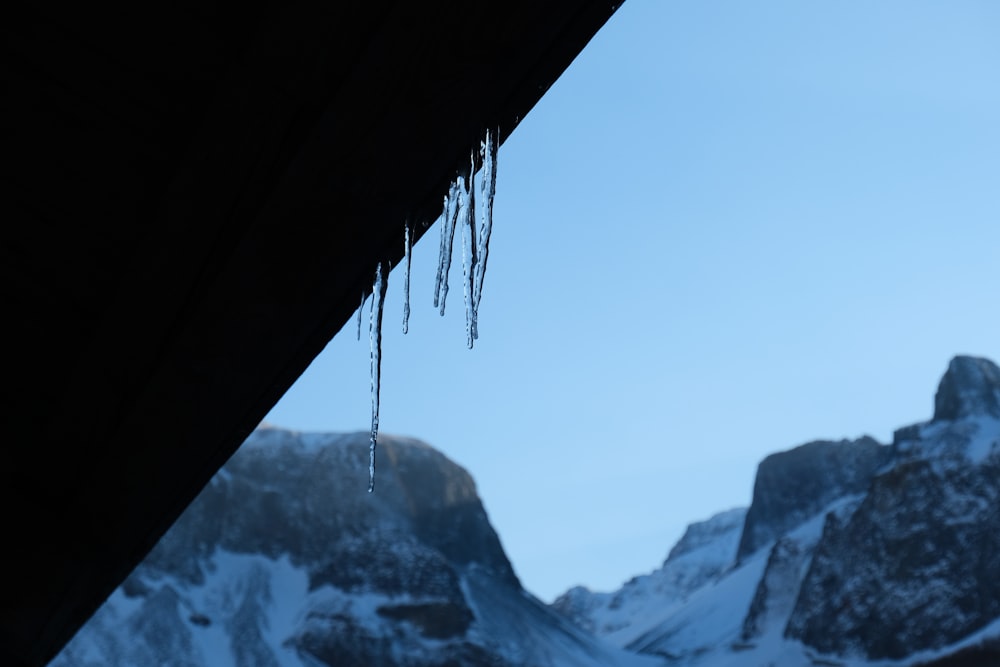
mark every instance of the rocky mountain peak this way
{"type": "Point", "coordinates": [701, 533]}
{"type": "Point", "coordinates": [970, 387]}
{"type": "Point", "coordinates": [794, 485]}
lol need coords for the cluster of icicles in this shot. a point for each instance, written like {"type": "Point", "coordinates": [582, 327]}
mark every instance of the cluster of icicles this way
{"type": "Point", "coordinates": [459, 214]}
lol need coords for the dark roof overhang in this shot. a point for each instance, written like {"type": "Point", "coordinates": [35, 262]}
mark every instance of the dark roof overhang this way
{"type": "Point", "coordinates": [197, 195]}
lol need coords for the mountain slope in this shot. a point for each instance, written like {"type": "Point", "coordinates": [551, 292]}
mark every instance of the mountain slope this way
{"type": "Point", "coordinates": [285, 560]}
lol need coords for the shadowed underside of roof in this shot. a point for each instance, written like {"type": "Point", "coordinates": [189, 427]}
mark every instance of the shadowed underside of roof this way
{"type": "Point", "coordinates": [197, 196]}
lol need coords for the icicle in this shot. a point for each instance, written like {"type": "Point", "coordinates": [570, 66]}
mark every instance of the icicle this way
{"type": "Point", "coordinates": [469, 257]}
{"type": "Point", "coordinates": [449, 218]}
{"type": "Point", "coordinates": [375, 339]}
{"type": "Point", "coordinates": [360, 308]}
{"type": "Point", "coordinates": [460, 202]}
{"type": "Point", "coordinates": [466, 268]}
{"type": "Point", "coordinates": [407, 249]}
{"type": "Point", "coordinates": [488, 187]}
{"type": "Point", "coordinates": [441, 274]}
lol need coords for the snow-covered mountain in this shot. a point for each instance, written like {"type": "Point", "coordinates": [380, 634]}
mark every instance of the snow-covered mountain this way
{"type": "Point", "coordinates": [705, 552]}
{"type": "Point", "coordinates": [851, 553]}
{"type": "Point", "coordinates": [285, 560]}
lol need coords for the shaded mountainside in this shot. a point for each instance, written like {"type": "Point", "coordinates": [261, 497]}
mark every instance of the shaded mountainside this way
{"type": "Point", "coordinates": [852, 553]}
{"type": "Point", "coordinates": [285, 560]}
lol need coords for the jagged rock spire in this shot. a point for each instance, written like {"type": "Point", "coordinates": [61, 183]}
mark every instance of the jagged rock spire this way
{"type": "Point", "coordinates": [971, 386]}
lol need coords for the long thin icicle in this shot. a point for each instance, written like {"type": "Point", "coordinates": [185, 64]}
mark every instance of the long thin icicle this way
{"type": "Point", "coordinates": [361, 307]}
{"type": "Point", "coordinates": [407, 256]}
{"type": "Point", "coordinates": [469, 251]}
{"type": "Point", "coordinates": [441, 276]}
{"type": "Point", "coordinates": [448, 220]}
{"type": "Point", "coordinates": [488, 188]}
{"type": "Point", "coordinates": [375, 338]}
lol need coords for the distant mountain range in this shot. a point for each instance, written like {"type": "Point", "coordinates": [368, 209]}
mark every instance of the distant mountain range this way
{"type": "Point", "coordinates": [851, 553]}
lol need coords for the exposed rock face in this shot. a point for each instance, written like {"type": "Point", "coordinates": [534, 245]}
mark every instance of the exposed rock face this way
{"type": "Point", "coordinates": [287, 493]}
{"type": "Point", "coordinates": [794, 485]}
{"type": "Point", "coordinates": [775, 595]}
{"type": "Point", "coordinates": [787, 561]}
{"type": "Point", "coordinates": [285, 560]}
{"type": "Point", "coordinates": [970, 387]}
{"type": "Point", "coordinates": [915, 567]}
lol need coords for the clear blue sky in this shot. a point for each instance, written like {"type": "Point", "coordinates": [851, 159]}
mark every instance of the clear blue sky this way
{"type": "Point", "coordinates": [728, 229]}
